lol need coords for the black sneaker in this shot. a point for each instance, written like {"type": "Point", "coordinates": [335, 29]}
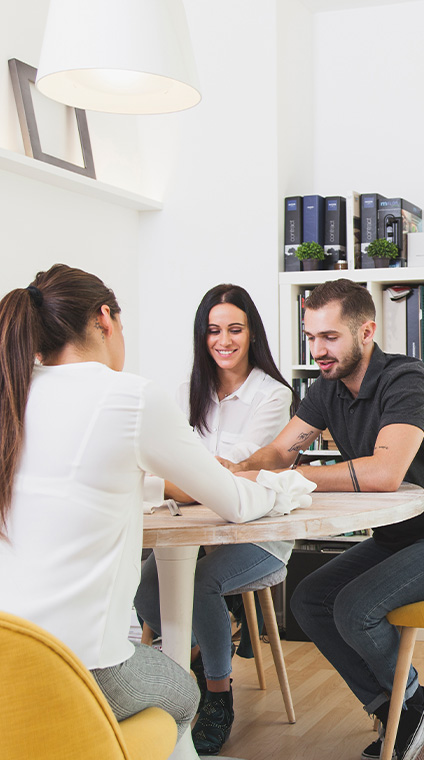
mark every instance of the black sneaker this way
{"type": "Point", "coordinates": [372, 752]}
{"type": "Point", "coordinates": [410, 734]}
{"type": "Point", "coordinates": [213, 726]}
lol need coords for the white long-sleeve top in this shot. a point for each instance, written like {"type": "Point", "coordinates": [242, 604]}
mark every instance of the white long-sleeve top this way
{"type": "Point", "coordinates": [242, 423]}
{"type": "Point", "coordinates": [72, 562]}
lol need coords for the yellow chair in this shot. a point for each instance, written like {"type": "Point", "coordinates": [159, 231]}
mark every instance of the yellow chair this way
{"type": "Point", "coordinates": [409, 618]}
{"type": "Point", "coordinates": [52, 709]}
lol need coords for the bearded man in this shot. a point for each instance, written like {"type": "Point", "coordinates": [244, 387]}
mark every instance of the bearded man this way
{"type": "Point", "coordinates": [373, 405]}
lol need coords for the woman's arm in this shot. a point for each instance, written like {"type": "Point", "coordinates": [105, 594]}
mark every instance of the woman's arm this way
{"type": "Point", "coordinates": [173, 492]}
{"type": "Point", "coordinates": [261, 424]}
{"type": "Point", "coordinates": [167, 447]}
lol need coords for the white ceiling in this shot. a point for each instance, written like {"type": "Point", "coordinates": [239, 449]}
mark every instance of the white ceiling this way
{"type": "Point", "coordinates": [338, 5]}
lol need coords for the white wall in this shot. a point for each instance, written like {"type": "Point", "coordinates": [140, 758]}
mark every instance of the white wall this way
{"type": "Point", "coordinates": [295, 106]}
{"type": "Point", "coordinates": [219, 222]}
{"type": "Point", "coordinates": [293, 102]}
{"type": "Point", "coordinates": [40, 224]}
{"type": "Point", "coordinates": [368, 101]}
{"type": "Point", "coordinates": [214, 166]}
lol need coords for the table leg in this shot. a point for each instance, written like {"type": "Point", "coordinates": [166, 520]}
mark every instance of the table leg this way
{"type": "Point", "coordinates": [176, 566]}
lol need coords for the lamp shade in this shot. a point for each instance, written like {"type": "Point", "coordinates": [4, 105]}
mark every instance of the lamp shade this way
{"type": "Point", "coordinates": [118, 56]}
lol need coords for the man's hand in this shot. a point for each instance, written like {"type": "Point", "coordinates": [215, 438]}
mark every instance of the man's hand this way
{"type": "Point", "coordinates": [232, 466]}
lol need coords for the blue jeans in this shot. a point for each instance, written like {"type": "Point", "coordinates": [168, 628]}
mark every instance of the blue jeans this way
{"type": "Point", "coordinates": [224, 569]}
{"type": "Point", "coordinates": [342, 607]}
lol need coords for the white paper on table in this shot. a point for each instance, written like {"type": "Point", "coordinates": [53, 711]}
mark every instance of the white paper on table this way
{"type": "Point", "coordinates": [292, 490]}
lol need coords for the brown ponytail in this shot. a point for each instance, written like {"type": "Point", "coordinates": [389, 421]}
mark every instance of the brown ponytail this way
{"type": "Point", "coordinates": [39, 320]}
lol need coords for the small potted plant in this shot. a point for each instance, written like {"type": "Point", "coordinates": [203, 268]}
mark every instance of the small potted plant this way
{"type": "Point", "coordinates": [311, 255]}
{"type": "Point", "coordinates": [382, 251]}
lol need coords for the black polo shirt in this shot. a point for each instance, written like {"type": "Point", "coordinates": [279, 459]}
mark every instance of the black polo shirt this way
{"type": "Point", "coordinates": [391, 392]}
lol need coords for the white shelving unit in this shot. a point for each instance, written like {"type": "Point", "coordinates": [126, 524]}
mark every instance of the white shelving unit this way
{"type": "Point", "coordinates": [292, 283]}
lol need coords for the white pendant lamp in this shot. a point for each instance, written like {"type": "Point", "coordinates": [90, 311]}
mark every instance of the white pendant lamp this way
{"type": "Point", "coordinates": [118, 56]}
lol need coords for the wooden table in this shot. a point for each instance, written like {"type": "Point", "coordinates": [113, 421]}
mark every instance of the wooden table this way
{"type": "Point", "coordinates": [176, 542]}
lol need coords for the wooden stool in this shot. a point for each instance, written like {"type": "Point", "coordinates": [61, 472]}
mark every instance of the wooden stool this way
{"type": "Point", "coordinates": [263, 588]}
{"type": "Point", "coordinates": [409, 618]}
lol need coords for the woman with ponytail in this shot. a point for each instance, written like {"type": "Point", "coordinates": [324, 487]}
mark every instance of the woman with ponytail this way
{"type": "Point", "coordinates": [77, 437]}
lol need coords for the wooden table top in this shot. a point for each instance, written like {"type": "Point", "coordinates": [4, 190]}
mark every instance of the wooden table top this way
{"type": "Point", "coordinates": [330, 514]}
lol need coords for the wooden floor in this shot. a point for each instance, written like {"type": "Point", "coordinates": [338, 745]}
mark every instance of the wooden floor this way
{"type": "Point", "coordinates": [330, 722]}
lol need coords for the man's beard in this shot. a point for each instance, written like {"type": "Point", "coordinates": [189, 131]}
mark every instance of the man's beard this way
{"type": "Point", "coordinates": [347, 366]}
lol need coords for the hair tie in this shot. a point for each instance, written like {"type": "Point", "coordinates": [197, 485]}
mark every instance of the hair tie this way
{"type": "Point", "coordinates": [35, 295]}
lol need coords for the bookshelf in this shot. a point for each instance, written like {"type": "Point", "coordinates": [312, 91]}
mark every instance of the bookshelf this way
{"type": "Point", "coordinates": [292, 283]}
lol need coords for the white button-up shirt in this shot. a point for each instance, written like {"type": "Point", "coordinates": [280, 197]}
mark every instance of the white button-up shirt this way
{"type": "Point", "coordinates": [248, 419]}
{"type": "Point", "coordinates": [242, 423]}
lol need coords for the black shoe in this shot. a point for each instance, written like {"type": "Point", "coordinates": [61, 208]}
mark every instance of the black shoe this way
{"type": "Point", "coordinates": [372, 752]}
{"type": "Point", "coordinates": [198, 670]}
{"type": "Point", "coordinates": [410, 734]}
{"type": "Point", "coordinates": [213, 726]}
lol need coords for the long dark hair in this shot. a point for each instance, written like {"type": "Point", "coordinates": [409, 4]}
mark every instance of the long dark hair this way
{"type": "Point", "coordinates": [204, 375]}
{"type": "Point", "coordinates": [39, 320]}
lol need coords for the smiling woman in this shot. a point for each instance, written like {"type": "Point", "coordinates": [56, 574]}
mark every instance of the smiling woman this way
{"type": "Point", "coordinates": [236, 402]}
{"type": "Point", "coordinates": [228, 343]}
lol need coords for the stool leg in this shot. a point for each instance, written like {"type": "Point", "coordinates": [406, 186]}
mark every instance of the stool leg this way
{"type": "Point", "coordinates": [268, 611]}
{"type": "Point", "coordinates": [406, 649]}
{"type": "Point", "coordinates": [252, 624]}
{"type": "Point", "coordinates": [147, 635]}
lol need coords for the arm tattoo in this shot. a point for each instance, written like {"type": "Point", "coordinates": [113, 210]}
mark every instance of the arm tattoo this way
{"type": "Point", "coordinates": [301, 441]}
{"type": "Point", "coordinates": [352, 474]}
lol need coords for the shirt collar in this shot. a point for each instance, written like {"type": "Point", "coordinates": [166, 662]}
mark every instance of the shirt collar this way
{"type": "Point", "coordinates": [371, 377]}
{"type": "Point", "coordinates": [247, 391]}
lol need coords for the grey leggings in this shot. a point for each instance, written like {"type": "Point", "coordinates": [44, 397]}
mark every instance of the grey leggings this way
{"type": "Point", "coordinates": [149, 679]}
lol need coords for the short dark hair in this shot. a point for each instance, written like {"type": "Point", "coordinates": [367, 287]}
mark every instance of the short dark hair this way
{"type": "Point", "coordinates": [204, 377]}
{"type": "Point", "coordinates": [355, 300]}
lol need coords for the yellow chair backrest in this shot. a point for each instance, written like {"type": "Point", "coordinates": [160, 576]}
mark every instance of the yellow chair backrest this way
{"type": "Point", "coordinates": [52, 709]}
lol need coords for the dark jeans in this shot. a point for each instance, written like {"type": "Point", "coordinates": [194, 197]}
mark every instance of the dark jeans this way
{"type": "Point", "coordinates": [342, 607]}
